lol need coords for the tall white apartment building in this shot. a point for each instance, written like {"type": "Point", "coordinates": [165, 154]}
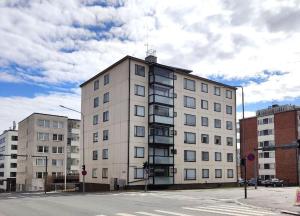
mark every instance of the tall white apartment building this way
{"type": "Point", "coordinates": [8, 164]}
{"type": "Point", "coordinates": [40, 135]}
{"type": "Point", "coordinates": [181, 124]}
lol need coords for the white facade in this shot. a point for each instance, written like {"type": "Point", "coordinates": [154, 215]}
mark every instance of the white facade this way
{"type": "Point", "coordinates": [8, 164]}
{"type": "Point", "coordinates": [121, 156]}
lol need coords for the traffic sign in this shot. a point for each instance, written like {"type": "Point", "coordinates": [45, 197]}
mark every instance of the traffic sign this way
{"type": "Point", "coordinates": [83, 172]}
{"type": "Point", "coordinates": [251, 157]}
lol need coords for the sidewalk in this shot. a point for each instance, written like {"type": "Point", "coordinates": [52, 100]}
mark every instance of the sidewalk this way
{"type": "Point", "coordinates": [272, 198]}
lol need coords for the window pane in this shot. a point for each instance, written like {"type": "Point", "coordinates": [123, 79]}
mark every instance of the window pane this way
{"type": "Point", "coordinates": [189, 102]}
{"type": "Point", "coordinates": [139, 110]}
{"type": "Point", "coordinates": [189, 156]}
{"type": "Point", "coordinates": [189, 84]}
{"type": "Point", "coordinates": [204, 104]}
{"type": "Point", "coordinates": [140, 70]}
{"type": "Point", "coordinates": [205, 156]}
{"type": "Point", "coordinates": [139, 131]}
{"type": "Point", "coordinates": [204, 121]}
{"type": "Point", "coordinates": [190, 120]}
{"type": "Point", "coordinates": [189, 138]}
{"type": "Point", "coordinates": [204, 87]}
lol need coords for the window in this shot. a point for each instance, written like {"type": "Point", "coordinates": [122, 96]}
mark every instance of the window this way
{"type": "Point", "coordinates": [189, 138]}
{"type": "Point", "coordinates": [42, 149]}
{"type": "Point", "coordinates": [217, 91]}
{"type": "Point", "coordinates": [105, 154]}
{"type": "Point", "coordinates": [139, 131]}
{"type": "Point", "coordinates": [106, 79]}
{"type": "Point", "coordinates": [58, 124]}
{"type": "Point", "coordinates": [229, 157]}
{"type": "Point", "coordinates": [205, 173]}
{"type": "Point", "coordinates": [105, 116]}
{"type": "Point", "coordinates": [229, 141]}
{"type": "Point", "coordinates": [95, 155]}
{"type": "Point", "coordinates": [204, 104]}
{"type": "Point", "coordinates": [44, 123]}
{"type": "Point", "coordinates": [104, 172]}
{"type": "Point", "coordinates": [205, 155]}
{"type": "Point", "coordinates": [230, 173]}
{"type": "Point", "coordinates": [265, 132]}
{"type": "Point", "coordinates": [229, 110]}
{"type": "Point", "coordinates": [40, 175]}
{"type": "Point", "coordinates": [40, 162]}
{"type": "Point", "coordinates": [189, 102]}
{"type": "Point", "coordinates": [138, 173]}
{"type": "Point", "coordinates": [95, 119]}
{"type": "Point", "coordinates": [96, 85]}
{"type": "Point", "coordinates": [204, 87]}
{"type": "Point", "coordinates": [217, 107]}
{"type": "Point", "coordinates": [189, 120]}
{"type": "Point", "coordinates": [57, 149]}
{"type": "Point", "coordinates": [229, 94]}
{"type": "Point", "coordinates": [13, 174]}
{"type": "Point", "coordinates": [189, 156]}
{"type": "Point", "coordinates": [189, 174]}
{"type": "Point", "coordinates": [218, 156]}
{"type": "Point", "coordinates": [57, 162]}
{"type": "Point", "coordinates": [94, 173]}
{"type": "Point", "coordinates": [205, 138]}
{"type": "Point", "coordinates": [139, 70]}
{"type": "Point", "coordinates": [13, 165]}
{"type": "Point", "coordinates": [43, 136]}
{"type": "Point", "coordinates": [139, 90]}
{"type": "Point", "coordinates": [58, 137]}
{"type": "Point", "coordinates": [139, 152]}
{"type": "Point", "coordinates": [139, 111]}
{"type": "Point", "coordinates": [204, 121]}
{"type": "Point", "coordinates": [218, 140]}
{"type": "Point", "coordinates": [217, 123]}
{"type": "Point", "coordinates": [106, 97]}
{"type": "Point", "coordinates": [105, 135]}
{"type": "Point", "coordinates": [14, 147]}
{"type": "Point", "coordinates": [95, 137]}
{"type": "Point", "coordinates": [189, 84]}
{"type": "Point", "coordinates": [96, 102]}
{"type": "Point", "coordinates": [218, 173]}
{"type": "Point", "coordinates": [229, 125]}
{"type": "Point", "coordinates": [14, 138]}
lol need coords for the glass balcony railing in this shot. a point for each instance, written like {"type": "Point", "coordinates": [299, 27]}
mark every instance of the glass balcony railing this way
{"type": "Point", "coordinates": [161, 180]}
{"type": "Point", "coordinates": [161, 99]}
{"type": "Point", "coordinates": [160, 139]}
{"type": "Point", "coordinates": [161, 119]}
{"type": "Point", "coordinates": [161, 79]}
{"type": "Point", "coordinates": [161, 159]}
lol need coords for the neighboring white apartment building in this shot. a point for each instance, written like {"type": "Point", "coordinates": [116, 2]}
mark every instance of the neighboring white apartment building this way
{"type": "Point", "coordinates": [8, 164]}
{"type": "Point", "coordinates": [138, 110]}
{"type": "Point", "coordinates": [46, 135]}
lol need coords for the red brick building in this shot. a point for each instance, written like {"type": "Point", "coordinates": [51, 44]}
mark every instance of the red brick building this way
{"type": "Point", "coordinates": [274, 126]}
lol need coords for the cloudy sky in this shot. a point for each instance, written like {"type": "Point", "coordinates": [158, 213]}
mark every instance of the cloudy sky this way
{"type": "Point", "coordinates": [48, 48]}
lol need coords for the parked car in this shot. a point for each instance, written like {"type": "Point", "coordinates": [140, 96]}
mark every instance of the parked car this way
{"type": "Point", "coordinates": [241, 182]}
{"type": "Point", "coordinates": [273, 182]}
{"type": "Point", "coordinates": [251, 182]}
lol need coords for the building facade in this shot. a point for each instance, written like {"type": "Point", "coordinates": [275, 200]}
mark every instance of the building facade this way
{"type": "Point", "coordinates": [41, 135]}
{"type": "Point", "coordinates": [8, 163]}
{"type": "Point", "coordinates": [272, 127]}
{"type": "Point", "coordinates": [140, 111]}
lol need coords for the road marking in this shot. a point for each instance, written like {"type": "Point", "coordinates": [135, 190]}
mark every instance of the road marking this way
{"type": "Point", "coordinates": [172, 213]}
{"type": "Point", "coordinates": [212, 211]}
{"type": "Point", "coordinates": [125, 214]}
{"type": "Point", "coordinates": [149, 214]}
{"type": "Point", "coordinates": [237, 208]}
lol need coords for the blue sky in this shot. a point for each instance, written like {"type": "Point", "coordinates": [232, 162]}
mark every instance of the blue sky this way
{"type": "Point", "coordinates": [49, 48]}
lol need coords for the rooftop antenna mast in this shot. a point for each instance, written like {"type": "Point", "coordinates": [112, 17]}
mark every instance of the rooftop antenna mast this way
{"type": "Point", "coordinates": [150, 53]}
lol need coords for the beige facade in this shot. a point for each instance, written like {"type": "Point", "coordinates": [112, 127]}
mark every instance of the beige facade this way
{"type": "Point", "coordinates": [127, 151]}
{"type": "Point", "coordinates": [42, 135]}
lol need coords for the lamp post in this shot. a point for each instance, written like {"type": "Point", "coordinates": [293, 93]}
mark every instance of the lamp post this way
{"type": "Point", "coordinates": [83, 158]}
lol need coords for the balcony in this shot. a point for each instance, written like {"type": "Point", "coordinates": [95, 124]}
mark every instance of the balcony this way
{"type": "Point", "coordinates": [161, 180]}
{"type": "Point", "coordinates": [161, 139]}
{"type": "Point", "coordinates": [161, 79]}
{"type": "Point", "coordinates": [161, 119]}
{"type": "Point", "coordinates": [165, 160]}
{"type": "Point", "coordinates": [161, 99]}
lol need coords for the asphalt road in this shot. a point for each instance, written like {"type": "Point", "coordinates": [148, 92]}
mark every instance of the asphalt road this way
{"type": "Point", "coordinates": [155, 203]}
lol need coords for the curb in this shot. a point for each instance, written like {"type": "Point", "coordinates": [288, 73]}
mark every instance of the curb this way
{"type": "Point", "coordinates": [289, 212]}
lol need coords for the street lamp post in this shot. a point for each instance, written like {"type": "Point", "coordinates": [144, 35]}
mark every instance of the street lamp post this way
{"type": "Point", "coordinates": [83, 157]}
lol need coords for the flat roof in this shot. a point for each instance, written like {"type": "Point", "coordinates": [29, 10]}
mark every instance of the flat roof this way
{"type": "Point", "coordinates": [35, 113]}
{"type": "Point", "coordinates": [176, 69]}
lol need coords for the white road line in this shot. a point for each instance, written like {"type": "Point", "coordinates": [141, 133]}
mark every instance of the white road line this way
{"type": "Point", "coordinates": [172, 213]}
{"type": "Point", "coordinates": [125, 214]}
{"type": "Point", "coordinates": [149, 214]}
{"type": "Point", "coordinates": [244, 211]}
{"type": "Point", "coordinates": [213, 211]}
{"type": "Point", "coordinates": [240, 209]}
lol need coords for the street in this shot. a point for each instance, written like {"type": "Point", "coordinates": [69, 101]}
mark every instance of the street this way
{"type": "Point", "coordinates": [225, 201]}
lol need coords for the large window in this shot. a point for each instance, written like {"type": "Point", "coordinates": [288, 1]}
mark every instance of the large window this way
{"type": "Point", "coordinates": [57, 162]}
{"type": "Point", "coordinates": [139, 90]}
{"type": "Point", "coordinates": [229, 157]}
{"type": "Point", "coordinates": [106, 79]}
{"type": "Point", "coordinates": [40, 161]}
{"type": "Point", "coordinates": [96, 102]}
{"type": "Point", "coordinates": [189, 174]}
{"type": "Point", "coordinates": [189, 84]}
{"type": "Point", "coordinates": [204, 104]}
{"type": "Point", "coordinates": [105, 135]}
{"type": "Point", "coordinates": [138, 173]}
{"type": "Point", "coordinates": [58, 124]}
{"type": "Point", "coordinates": [95, 155]}
{"type": "Point", "coordinates": [140, 70]}
{"type": "Point", "coordinates": [105, 116]}
{"type": "Point", "coordinates": [228, 94]}
{"type": "Point", "coordinates": [58, 137]}
{"type": "Point", "coordinates": [189, 120]}
{"type": "Point", "coordinates": [218, 173]}
{"type": "Point", "coordinates": [204, 87]}
{"type": "Point", "coordinates": [139, 110]}
{"type": "Point", "coordinates": [57, 149]}
{"type": "Point", "coordinates": [218, 140]}
{"type": "Point", "coordinates": [94, 173]}
{"type": "Point", "coordinates": [189, 138]}
{"type": "Point", "coordinates": [205, 155]}
{"type": "Point", "coordinates": [189, 156]}
{"type": "Point", "coordinates": [228, 109]}
{"type": "Point", "coordinates": [104, 172]}
{"type": "Point", "coordinates": [95, 119]}
{"type": "Point", "coordinates": [229, 125]}
{"type": "Point", "coordinates": [217, 123]}
{"type": "Point", "coordinates": [44, 123]}
{"type": "Point", "coordinates": [230, 173]}
{"type": "Point", "coordinates": [139, 152]}
{"type": "Point", "coordinates": [217, 91]}
{"type": "Point", "coordinates": [139, 131]}
{"type": "Point", "coordinates": [105, 154]}
{"type": "Point", "coordinates": [106, 97]}
{"type": "Point", "coordinates": [218, 156]}
{"type": "Point", "coordinates": [205, 138]}
{"type": "Point", "coordinates": [189, 102]}
{"type": "Point", "coordinates": [204, 121]}
{"type": "Point", "coordinates": [217, 107]}
{"type": "Point", "coordinates": [42, 149]}
{"type": "Point", "coordinates": [43, 136]}
{"type": "Point", "coordinates": [205, 173]}
{"type": "Point", "coordinates": [96, 85]}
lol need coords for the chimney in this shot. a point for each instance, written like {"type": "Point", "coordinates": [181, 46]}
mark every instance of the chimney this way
{"type": "Point", "coordinates": [14, 125]}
